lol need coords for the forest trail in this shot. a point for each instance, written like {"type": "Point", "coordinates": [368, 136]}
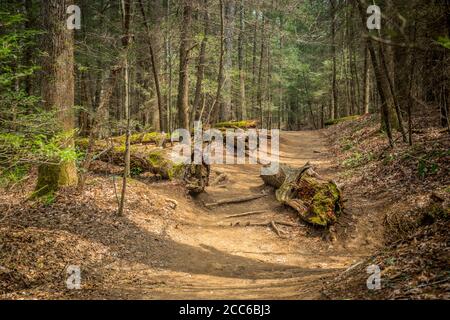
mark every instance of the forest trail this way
{"type": "Point", "coordinates": [206, 255]}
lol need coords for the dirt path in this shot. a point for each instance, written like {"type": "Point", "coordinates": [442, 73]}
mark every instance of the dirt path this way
{"type": "Point", "coordinates": [205, 255]}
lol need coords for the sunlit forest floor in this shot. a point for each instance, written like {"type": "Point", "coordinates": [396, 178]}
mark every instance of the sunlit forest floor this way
{"type": "Point", "coordinates": [170, 246]}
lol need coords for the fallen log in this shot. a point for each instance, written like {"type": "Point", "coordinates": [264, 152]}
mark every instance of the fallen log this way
{"type": "Point", "coordinates": [156, 161]}
{"type": "Point", "coordinates": [316, 200]}
{"type": "Point", "coordinates": [157, 138]}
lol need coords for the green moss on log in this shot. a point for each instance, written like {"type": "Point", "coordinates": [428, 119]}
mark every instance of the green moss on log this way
{"type": "Point", "coordinates": [322, 200]}
{"type": "Point", "coordinates": [143, 138]}
{"type": "Point", "coordinates": [245, 124]}
{"type": "Point", "coordinates": [165, 167]}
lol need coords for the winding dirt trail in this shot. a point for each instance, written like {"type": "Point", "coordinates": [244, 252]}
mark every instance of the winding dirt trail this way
{"type": "Point", "coordinates": [206, 255]}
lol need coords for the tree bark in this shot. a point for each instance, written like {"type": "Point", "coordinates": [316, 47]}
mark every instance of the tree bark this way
{"type": "Point", "coordinates": [201, 64]}
{"type": "Point", "coordinates": [126, 20]}
{"type": "Point", "coordinates": [242, 98]}
{"type": "Point", "coordinates": [58, 90]}
{"type": "Point", "coordinates": [214, 112]}
{"type": "Point", "coordinates": [334, 100]}
{"type": "Point", "coordinates": [382, 85]}
{"type": "Point", "coordinates": [366, 84]}
{"type": "Point", "coordinates": [183, 83]}
{"type": "Point", "coordinates": [226, 106]}
{"type": "Point", "coordinates": [154, 69]}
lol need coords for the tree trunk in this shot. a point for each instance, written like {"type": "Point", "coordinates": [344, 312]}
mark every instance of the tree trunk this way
{"type": "Point", "coordinates": [260, 73]}
{"type": "Point", "coordinates": [226, 106]}
{"type": "Point", "coordinates": [126, 20]}
{"type": "Point", "coordinates": [242, 101]}
{"type": "Point", "coordinates": [366, 84]}
{"type": "Point", "coordinates": [214, 112]}
{"type": "Point", "coordinates": [334, 100]}
{"type": "Point", "coordinates": [201, 65]}
{"type": "Point", "coordinates": [58, 90]}
{"type": "Point", "coordinates": [382, 85]}
{"type": "Point", "coordinates": [154, 69]}
{"type": "Point", "coordinates": [183, 84]}
{"type": "Point", "coordinates": [316, 200]}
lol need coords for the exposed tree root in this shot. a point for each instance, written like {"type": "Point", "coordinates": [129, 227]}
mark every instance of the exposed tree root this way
{"type": "Point", "coordinates": [236, 200]}
{"type": "Point", "coordinates": [246, 214]}
{"type": "Point", "coordinates": [272, 224]}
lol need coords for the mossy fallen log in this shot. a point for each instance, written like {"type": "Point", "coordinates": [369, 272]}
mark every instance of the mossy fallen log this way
{"type": "Point", "coordinates": [244, 124]}
{"type": "Point", "coordinates": [156, 161]}
{"type": "Point", "coordinates": [316, 200]}
{"type": "Point", "coordinates": [157, 138]}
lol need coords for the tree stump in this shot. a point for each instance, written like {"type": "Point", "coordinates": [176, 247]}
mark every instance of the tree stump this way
{"type": "Point", "coordinates": [196, 177]}
{"type": "Point", "coordinates": [316, 200]}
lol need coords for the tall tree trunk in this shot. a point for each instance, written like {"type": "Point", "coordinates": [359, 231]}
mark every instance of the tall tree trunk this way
{"type": "Point", "coordinates": [58, 90]}
{"type": "Point", "coordinates": [169, 70]}
{"type": "Point", "coordinates": [227, 110]}
{"type": "Point", "coordinates": [154, 68]}
{"type": "Point", "coordinates": [29, 23]}
{"type": "Point", "coordinates": [366, 84]}
{"type": "Point", "coordinates": [126, 20]}
{"type": "Point", "coordinates": [260, 73]}
{"type": "Point", "coordinates": [334, 100]}
{"type": "Point", "coordinates": [392, 93]}
{"type": "Point", "coordinates": [183, 83]}
{"type": "Point", "coordinates": [254, 54]}
{"type": "Point", "coordinates": [201, 64]}
{"type": "Point", "coordinates": [241, 53]}
{"type": "Point", "coordinates": [382, 84]}
{"type": "Point", "coordinates": [214, 111]}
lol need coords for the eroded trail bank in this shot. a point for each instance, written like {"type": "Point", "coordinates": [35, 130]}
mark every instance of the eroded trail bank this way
{"type": "Point", "coordinates": [170, 246]}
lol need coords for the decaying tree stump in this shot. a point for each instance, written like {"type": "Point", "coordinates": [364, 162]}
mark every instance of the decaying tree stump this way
{"type": "Point", "coordinates": [196, 176]}
{"type": "Point", "coordinates": [316, 200]}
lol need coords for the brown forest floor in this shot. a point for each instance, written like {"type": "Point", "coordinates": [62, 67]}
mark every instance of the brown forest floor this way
{"type": "Point", "coordinates": [169, 246]}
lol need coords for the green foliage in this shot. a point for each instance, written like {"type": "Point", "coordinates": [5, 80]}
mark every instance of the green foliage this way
{"type": "Point", "coordinates": [357, 159]}
{"type": "Point", "coordinates": [426, 168]}
{"type": "Point", "coordinates": [135, 171]}
{"type": "Point", "coordinates": [346, 145]}
{"type": "Point", "coordinates": [444, 41]}
{"type": "Point", "coordinates": [13, 175]}
{"type": "Point", "coordinates": [28, 134]}
{"type": "Point", "coordinates": [13, 42]}
{"type": "Point", "coordinates": [48, 199]}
